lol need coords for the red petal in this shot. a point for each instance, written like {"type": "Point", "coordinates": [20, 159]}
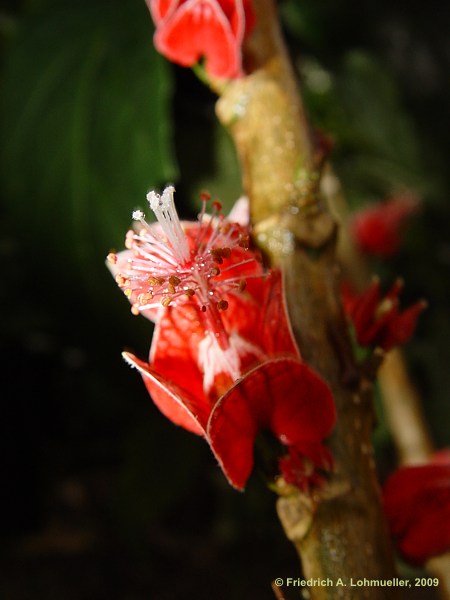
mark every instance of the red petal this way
{"type": "Point", "coordinates": [282, 395]}
{"type": "Point", "coordinates": [174, 347]}
{"type": "Point", "coordinates": [234, 11]}
{"type": "Point", "coordinates": [402, 327]}
{"type": "Point", "coordinates": [275, 325]}
{"type": "Point", "coordinates": [364, 310]}
{"type": "Point", "coordinates": [441, 457]}
{"type": "Point", "coordinates": [200, 28]}
{"type": "Point", "coordinates": [375, 335]}
{"type": "Point", "coordinates": [303, 473]}
{"type": "Point", "coordinates": [417, 504]}
{"type": "Point", "coordinates": [173, 359]}
{"type": "Point", "coordinates": [378, 228]}
{"type": "Point", "coordinates": [160, 9]}
{"type": "Point", "coordinates": [349, 297]}
{"type": "Point", "coordinates": [379, 321]}
{"type": "Point", "coordinates": [259, 315]}
{"type": "Point", "coordinates": [303, 407]}
{"type": "Point", "coordinates": [430, 535]}
{"type": "Point", "coordinates": [177, 404]}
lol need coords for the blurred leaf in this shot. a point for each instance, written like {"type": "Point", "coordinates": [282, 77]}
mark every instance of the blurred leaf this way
{"type": "Point", "coordinates": [375, 124]}
{"type": "Point", "coordinates": [85, 120]}
{"type": "Point", "coordinates": [301, 20]}
{"type": "Point", "coordinates": [377, 147]}
{"type": "Point", "coordinates": [205, 151]}
{"type": "Point", "coordinates": [224, 180]}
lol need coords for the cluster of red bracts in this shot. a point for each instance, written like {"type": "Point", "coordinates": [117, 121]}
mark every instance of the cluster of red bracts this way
{"type": "Point", "coordinates": [378, 320]}
{"type": "Point", "coordinates": [417, 505]}
{"type": "Point", "coordinates": [223, 361]}
{"type": "Point", "coordinates": [189, 30]}
{"type": "Point", "coordinates": [416, 498]}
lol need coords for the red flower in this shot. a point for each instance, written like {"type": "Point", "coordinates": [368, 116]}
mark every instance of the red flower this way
{"type": "Point", "coordinates": [417, 505]}
{"type": "Point", "coordinates": [378, 228]}
{"type": "Point", "coordinates": [378, 321]}
{"type": "Point", "coordinates": [188, 30]}
{"type": "Point", "coordinates": [223, 362]}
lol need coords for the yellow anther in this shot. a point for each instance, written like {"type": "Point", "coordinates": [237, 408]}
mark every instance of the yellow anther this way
{"type": "Point", "coordinates": [222, 305]}
{"type": "Point", "coordinates": [145, 298]}
{"type": "Point", "coordinates": [121, 280]}
{"type": "Point", "coordinates": [129, 239]}
{"type": "Point", "coordinates": [155, 280]}
{"type": "Point", "coordinates": [173, 280]}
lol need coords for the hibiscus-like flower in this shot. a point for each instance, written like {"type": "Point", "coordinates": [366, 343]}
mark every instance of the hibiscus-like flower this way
{"type": "Point", "coordinates": [188, 30]}
{"type": "Point", "coordinates": [417, 505]}
{"type": "Point", "coordinates": [377, 319]}
{"type": "Point", "coordinates": [223, 362]}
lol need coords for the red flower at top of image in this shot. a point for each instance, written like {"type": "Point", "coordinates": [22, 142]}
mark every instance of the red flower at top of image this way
{"type": "Point", "coordinates": [223, 362]}
{"type": "Point", "coordinates": [189, 30]}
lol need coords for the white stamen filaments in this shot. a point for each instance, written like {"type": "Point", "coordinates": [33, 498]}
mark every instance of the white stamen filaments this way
{"type": "Point", "coordinates": [164, 208]}
{"type": "Point", "coordinates": [213, 360]}
{"type": "Point", "coordinates": [168, 264]}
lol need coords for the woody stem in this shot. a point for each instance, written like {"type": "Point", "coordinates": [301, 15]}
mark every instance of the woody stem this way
{"type": "Point", "coordinates": [402, 404]}
{"type": "Point", "coordinates": [281, 175]}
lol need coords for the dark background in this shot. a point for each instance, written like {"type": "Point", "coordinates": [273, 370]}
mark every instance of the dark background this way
{"type": "Point", "coordinates": [102, 497]}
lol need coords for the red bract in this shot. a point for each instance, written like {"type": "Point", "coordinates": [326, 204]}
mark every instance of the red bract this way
{"type": "Point", "coordinates": [378, 229]}
{"type": "Point", "coordinates": [223, 362]}
{"type": "Point", "coordinates": [417, 505]}
{"type": "Point", "coordinates": [188, 30]}
{"type": "Point", "coordinates": [377, 319]}
{"type": "Point", "coordinates": [303, 470]}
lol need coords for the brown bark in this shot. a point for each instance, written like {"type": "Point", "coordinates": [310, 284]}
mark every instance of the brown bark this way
{"type": "Point", "coordinates": [401, 402]}
{"type": "Point", "coordinates": [340, 533]}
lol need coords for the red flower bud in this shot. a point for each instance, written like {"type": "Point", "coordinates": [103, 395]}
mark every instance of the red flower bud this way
{"type": "Point", "coordinates": [378, 320]}
{"type": "Point", "coordinates": [378, 229]}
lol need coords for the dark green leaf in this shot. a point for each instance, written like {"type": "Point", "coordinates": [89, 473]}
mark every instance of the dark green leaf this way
{"type": "Point", "coordinates": [86, 123]}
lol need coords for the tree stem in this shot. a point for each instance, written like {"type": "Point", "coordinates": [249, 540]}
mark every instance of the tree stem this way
{"type": "Point", "coordinates": [340, 534]}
